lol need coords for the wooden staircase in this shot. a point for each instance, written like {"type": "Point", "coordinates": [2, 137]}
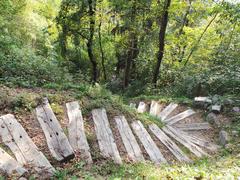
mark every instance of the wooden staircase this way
{"type": "Point", "coordinates": [133, 136]}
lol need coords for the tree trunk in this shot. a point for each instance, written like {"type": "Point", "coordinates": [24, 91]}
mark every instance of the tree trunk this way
{"type": "Point", "coordinates": [91, 13]}
{"type": "Point", "coordinates": [63, 42]}
{"type": "Point", "coordinates": [133, 49]}
{"type": "Point", "coordinates": [101, 50]}
{"type": "Point", "coordinates": [199, 39]}
{"type": "Point", "coordinates": [163, 27]}
{"type": "Point", "coordinates": [185, 22]}
{"type": "Point", "coordinates": [132, 54]}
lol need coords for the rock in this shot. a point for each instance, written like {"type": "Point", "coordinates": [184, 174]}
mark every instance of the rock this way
{"type": "Point", "coordinates": [236, 109]}
{"type": "Point", "coordinates": [215, 98]}
{"type": "Point", "coordinates": [202, 99]}
{"type": "Point", "coordinates": [228, 102]}
{"type": "Point", "coordinates": [211, 118]}
{"type": "Point", "coordinates": [202, 102]}
{"type": "Point", "coordinates": [22, 178]}
{"type": "Point", "coordinates": [229, 147]}
{"type": "Point", "coordinates": [216, 108]}
{"type": "Point", "coordinates": [223, 137]}
{"type": "Point", "coordinates": [235, 133]}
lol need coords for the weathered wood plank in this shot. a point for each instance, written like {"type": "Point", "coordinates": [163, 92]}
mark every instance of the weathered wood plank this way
{"type": "Point", "coordinates": [129, 141]}
{"type": "Point", "coordinates": [176, 151]}
{"type": "Point", "coordinates": [133, 105]}
{"type": "Point", "coordinates": [149, 145]}
{"type": "Point", "coordinates": [193, 126]}
{"type": "Point", "coordinates": [10, 166]}
{"type": "Point", "coordinates": [198, 141]}
{"type": "Point", "coordinates": [76, 134]}
{"type": "Point", "coordinates": [56, 139]}
{"type": "Point", "coordinates": [180, 116]}
{"type": "Point", "coordinates": [25, 151]}
{"type": "Point", "coordinates": [184, 141]}
{"type": "Point", "coordinates": [142, 107]}
{"type": "Point", "coordinates": [104, 134]}
{"type": "Point", "coordinates": [155, 108]}
{"type": "Point", "coordinates": [167, 111]}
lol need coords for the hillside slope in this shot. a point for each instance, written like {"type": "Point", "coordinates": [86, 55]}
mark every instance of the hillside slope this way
{"type": "Point", "coordinates": [22, 102]}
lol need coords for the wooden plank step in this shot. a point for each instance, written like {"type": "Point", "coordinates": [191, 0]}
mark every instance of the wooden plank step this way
{"type": "Point", "coordinates": [142, 107]}
{"type": "Point", "coordinates": [133, 105]}
{"type": "Point", "coordinates": [176, 151]}
{"type": "Point", "coordinates": [193, 126]}
{"type": "Point", "coordinates": [184, 141]}
{"type": "Point", "coordinates": [56, 139]}
{"type": "Point", "coordinates": [180, 116]}
{"type": "Point", "coordinates": [76, 134]}
{"type": "Point", "coordinates": [104, 134]}
{"type": "Point", "coordinates": [10, 166]}
{"type": "Point", "coordinates": [148, 143]}
{"type": "Point", "coordinates": [167, 111]}
{"type": "Point", "coordinates": [155, 108]}
{"type": "Point", "coordinates": [129, 141]}
{"type": "Point", "coordinates": [25, 151]}
{"type": "Point", "coordinates": [199, 141]}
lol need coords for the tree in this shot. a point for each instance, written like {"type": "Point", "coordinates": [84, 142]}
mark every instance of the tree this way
{"type": "Point", "coordinates": [92, 17]}
{"type": "Point", "coordinates": [163, 27]}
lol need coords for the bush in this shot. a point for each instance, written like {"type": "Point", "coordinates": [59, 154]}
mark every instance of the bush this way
{"type": "Point", "coordinates": [23, 67]}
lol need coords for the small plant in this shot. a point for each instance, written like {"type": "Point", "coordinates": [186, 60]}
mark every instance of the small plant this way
{"type": "Point", "coordinates": [61, 174]}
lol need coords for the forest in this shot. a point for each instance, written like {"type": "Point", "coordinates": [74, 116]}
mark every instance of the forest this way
{"type": "Point", "coordinates": [174, 58]}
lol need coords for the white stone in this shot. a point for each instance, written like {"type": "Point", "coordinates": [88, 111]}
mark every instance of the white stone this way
{"type": "Point", "coordinates": [216, 108]}
{"type": "Point", "coordinates": [236, 109]}
{"type": "Point", "coordinates": [202, 99]}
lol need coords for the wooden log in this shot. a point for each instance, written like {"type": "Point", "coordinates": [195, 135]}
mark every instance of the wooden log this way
{"type": "Point", "coordinates": [142, 107]}
{"type": "Point", "coordinates": [167, 111]}
{"type": "Point", "coordinates": [180, 117]}
{"type": "Point", "coordinates": [155, 108]}
{"type": "Point", "coordinates": [198, 141]}
{"type": "Point", "coordinates": [10, 166]}
{"type": "Point", "coordinates": [176, 151]}
{"type": "Point", "coordinates": [104, 134]}
{"type": "Point", "coordinates": [25, 151]}
{"type": "Point", "coordinates": [184, 141]}
{"type": "Point", "coordinates": [149, 145]}
{"type": "Point", "coordinates": [193, 126]}
{"type": "Point", "coordinates": [56, 139]}
{"type": "Point", "coordinates": [129, 141]}
{"type": "Point", "coordinates": [76, 134]}
{"type": "Point", "coordinates": [133, 105]}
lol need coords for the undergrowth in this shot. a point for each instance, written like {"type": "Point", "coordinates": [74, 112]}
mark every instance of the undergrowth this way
{"type": "Point", "coordinates": [224, 166]}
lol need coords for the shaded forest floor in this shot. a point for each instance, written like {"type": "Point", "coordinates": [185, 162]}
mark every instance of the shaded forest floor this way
{"type": "Point", "coordinates": [22, 102]}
